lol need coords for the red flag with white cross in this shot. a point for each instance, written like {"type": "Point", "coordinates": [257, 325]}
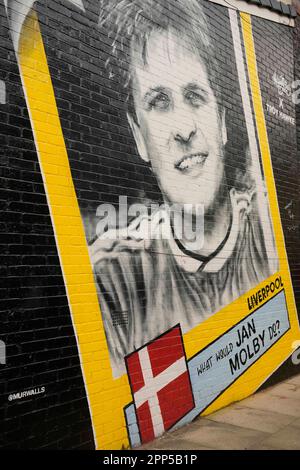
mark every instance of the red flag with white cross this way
{"type": "Point", "coordinates": [160, 384]}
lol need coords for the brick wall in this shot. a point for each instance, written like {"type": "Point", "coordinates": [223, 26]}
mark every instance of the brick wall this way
{"type": "Point", "coordinates": [52, 328]}
{"type": "Point", "coordinates": [36, 327]}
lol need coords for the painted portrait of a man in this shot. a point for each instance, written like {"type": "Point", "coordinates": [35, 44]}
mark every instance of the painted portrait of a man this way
{"type": "Point", "coordinates": [177, 117]}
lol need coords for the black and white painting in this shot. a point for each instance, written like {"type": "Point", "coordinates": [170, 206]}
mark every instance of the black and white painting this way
{"type": "Point", "coordinates": [151, 273]}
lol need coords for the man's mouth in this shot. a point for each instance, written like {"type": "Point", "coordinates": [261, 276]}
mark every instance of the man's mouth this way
{"type": "Point", "coordinates": [188, 162]}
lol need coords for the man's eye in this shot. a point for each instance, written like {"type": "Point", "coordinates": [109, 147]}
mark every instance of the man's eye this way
{"type": "Point", "coordinates": [160, 101]}
{"type": "Point", "coordinates": [196, 99]}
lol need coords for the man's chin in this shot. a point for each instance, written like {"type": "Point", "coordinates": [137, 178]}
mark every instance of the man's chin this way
{"type": "Point", "coordinates": [189, 202]}
{"type": "Point", "coordinates": [191, 207]}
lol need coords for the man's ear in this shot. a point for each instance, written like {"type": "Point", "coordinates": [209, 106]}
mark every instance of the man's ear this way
{"type": "Point", "coordinates": [223, 127]}
{"type": "Point", "coordinates": [138, 137]}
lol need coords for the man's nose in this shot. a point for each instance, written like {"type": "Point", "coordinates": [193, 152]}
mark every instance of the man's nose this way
{"type": "Point", "coordinates": [184, 135]}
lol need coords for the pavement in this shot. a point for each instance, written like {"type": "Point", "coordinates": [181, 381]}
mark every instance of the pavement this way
{"type": "Point", "coordinates": [268, 420]}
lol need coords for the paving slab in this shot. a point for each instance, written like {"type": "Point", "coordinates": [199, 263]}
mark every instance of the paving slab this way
{"type": "Point", "coordinates": [285, 439]}
{"type": "Point", "coordinates": [263, 401]}
{"type": "Point", "coordinates": [170, 444]}
{"type": "Point", "coordinates": [261, 420]}
{"type": "Point", "coordinates": [222, 435]}
{"type": "Point", "coordinates": [287, 390]}
{"type": "Point", "coordinates": [259, 446]}
{"type": "Point", "coordinates": [293, 380]}
{"type": "Point", "coordinates": [296, 422]}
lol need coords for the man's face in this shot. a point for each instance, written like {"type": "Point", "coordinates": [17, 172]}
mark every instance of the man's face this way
{"type": "Point", "coordinates": [179, 127]}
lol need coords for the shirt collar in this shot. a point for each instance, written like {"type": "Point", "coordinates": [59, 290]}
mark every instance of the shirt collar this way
{"type": "Point", "coordinates": [239, 201]}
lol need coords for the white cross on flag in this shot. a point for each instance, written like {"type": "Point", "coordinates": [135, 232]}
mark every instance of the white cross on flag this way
{"type": "Point", "coordinates": [160, 384]}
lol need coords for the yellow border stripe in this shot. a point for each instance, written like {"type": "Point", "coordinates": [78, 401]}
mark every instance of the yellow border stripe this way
{"type": "Point", "coordinates": [266, 157]}
{"type": "Point", "coordinates": [106, 396]}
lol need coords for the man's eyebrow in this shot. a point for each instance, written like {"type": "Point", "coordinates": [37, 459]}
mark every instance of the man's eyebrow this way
{"type": "Point", "coordinates": [195, 86]}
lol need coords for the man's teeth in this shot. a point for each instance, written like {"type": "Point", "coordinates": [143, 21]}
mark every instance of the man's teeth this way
{"type": "Point", "coordinates": [191, 161]}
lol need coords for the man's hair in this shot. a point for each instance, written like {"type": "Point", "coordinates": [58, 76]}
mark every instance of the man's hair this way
{"type": "Point", "coordinates": [130, 24]}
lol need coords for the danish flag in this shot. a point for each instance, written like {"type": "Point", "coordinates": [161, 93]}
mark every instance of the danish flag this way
{"type": "Point", "coordinates": [160, 384]}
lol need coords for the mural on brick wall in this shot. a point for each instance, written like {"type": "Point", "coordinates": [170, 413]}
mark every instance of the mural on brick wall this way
{"type": "Point", "coordinates": [178, 121]}
{"type": "Point", "coordinates": [170, 238]}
